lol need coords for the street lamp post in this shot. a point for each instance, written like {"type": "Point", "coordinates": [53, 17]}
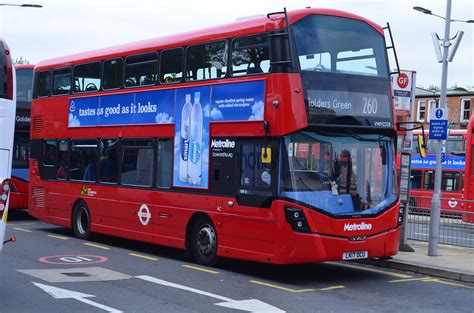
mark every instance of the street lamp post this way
{"type": "Point", "coordinates": [26, 5]}
{"type": "Point", "coordinates": [436, 200]}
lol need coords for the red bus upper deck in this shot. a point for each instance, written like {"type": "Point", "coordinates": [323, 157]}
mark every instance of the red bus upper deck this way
{"type": "Point", "coordinates": [21, 143]}
{"type": "Point", "coordinates": [245, 140]}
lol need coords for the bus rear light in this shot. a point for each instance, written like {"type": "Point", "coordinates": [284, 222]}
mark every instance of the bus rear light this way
{"type": "Point", "coordinates": [297, 220]}
{"type": "Point", "coordinates": [4, 194]}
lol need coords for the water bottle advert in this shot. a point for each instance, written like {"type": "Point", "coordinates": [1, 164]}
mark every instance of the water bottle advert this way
{"type": "Point", "coordinates": [191, 141]}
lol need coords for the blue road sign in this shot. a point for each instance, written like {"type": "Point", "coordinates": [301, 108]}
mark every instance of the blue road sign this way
{"type": "Point", "coordinates": [439, 124]}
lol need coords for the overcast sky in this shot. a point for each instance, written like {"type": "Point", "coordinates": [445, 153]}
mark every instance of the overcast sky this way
{"type": "Point", "coordinates": [65, 27]}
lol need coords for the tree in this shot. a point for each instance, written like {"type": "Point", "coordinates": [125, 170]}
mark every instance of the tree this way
{"type": "Point", "coordinates": [21, 60]}
{"type": "Point", "coordinates": [434, 88]}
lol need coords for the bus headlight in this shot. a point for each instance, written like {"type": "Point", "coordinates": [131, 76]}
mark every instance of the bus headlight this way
{"type": "Point", "coordinates": [297, 220]}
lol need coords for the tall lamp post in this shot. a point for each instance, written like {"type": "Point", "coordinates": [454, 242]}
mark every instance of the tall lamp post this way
{"type": "Point", "coordinates": [25, 5]}
{"type": "Point", "coordinates": [446, 56]}
{"type": "Point", "coordinates": [21, 5]}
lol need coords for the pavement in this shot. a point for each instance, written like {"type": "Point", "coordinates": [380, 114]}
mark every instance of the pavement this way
{"type": "Point", "coordinates": [452, 262]}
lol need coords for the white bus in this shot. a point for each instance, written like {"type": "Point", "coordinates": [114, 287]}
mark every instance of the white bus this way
{"type": "Point", "coordinates": [7, 129]}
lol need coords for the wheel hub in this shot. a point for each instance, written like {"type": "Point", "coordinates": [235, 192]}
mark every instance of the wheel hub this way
{"type": "Point", "coordinates": [206, 240]}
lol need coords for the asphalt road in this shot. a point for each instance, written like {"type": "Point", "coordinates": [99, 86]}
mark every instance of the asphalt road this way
{"type": "Point", "coordinates": [108, 274]}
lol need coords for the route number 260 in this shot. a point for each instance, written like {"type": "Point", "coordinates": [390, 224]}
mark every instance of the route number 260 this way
{"type": "Point", "coordinates": [370, 106]}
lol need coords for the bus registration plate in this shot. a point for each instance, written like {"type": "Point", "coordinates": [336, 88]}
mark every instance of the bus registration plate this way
{"type": "Point", "coordinates": [355, 255]}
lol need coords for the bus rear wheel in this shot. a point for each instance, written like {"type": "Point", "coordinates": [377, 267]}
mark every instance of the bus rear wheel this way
{"type": "Point", "coordinates": [204, 242]}
{"type": "Point", "coordinates": [81, 221]}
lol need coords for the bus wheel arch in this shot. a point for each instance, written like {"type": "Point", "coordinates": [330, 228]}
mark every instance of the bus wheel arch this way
{"type": "Point", "coordinates": [81, 219]}
{"type": "Point", "coordinates": [201, 239]}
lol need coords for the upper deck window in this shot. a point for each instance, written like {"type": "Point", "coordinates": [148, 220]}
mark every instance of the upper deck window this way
{"type": "Point", "coordinates": [44, 84]}
{"type": "Point", "coordinates": [332, 44]}
{"type": "Point", "coordinates": [87, 77]}
{"type": "Point", "coordinates": [61, 81]}
{"type": "Point", "coordinates": [24, 87]}
{"type": "Point", "coordinates": [171, 66]}
{"type": "Point", "coordinates": [206, 61]}
{"type": "Point", "coordinates": [113, 73]}
{"type": "Point", "coordinates": [250, 55]}
{"type": "Point", "coordinates": [141, 70]}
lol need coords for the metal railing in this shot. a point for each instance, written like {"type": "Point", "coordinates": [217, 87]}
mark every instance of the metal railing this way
{"type": "Point", "coordinates": [456, 225]}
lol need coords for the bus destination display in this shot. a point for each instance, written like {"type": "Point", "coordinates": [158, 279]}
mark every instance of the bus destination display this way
{"type": "Point", "coordinates": [366, 107]}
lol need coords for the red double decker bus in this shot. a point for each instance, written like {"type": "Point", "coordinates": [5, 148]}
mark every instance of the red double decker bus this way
{"type": "Point", "coordinates": [269, 139]}
{"type": "Point", "coordinates": [452, 179]}
{"type": "Point", "coordinates": [21, 143]}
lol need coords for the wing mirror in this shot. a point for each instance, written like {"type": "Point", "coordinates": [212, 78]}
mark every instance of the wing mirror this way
{"type": "Point", "coordinates": [410, 126]}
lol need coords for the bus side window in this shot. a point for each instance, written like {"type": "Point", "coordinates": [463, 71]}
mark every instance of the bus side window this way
{"type": "Point", "coordinates": [206, 61]}
{"type": "Point", "coordinates": [87, 77]}
{"type": "Point", "coordinates": [164, 166]}
{"type": "Point", "coordinates": [63, 160]}
{"type": "Point", "coordinates": [61, 81]}
{"type": "Point", "coordinates": [141, 70]}
{"type": "Point", "coordinates": [415, 179]}
{"type": "Point", "coordinates": [250, 55]}
{"type": "Point", "coordinates": [113, 72]}
{"type": "Point", "coordinates": [44, 84]}
{"type": "Point", "coordinates": [49, 152]}
{"type": "Point", "coordinates": [428, 181]}
{"type": "Point", "coordinates": [137, 162]}
{"type": "Point", "coordinates": [171, 66]}
{"type": "Point", "coordinates": [83, 164]}
{"type": "Point", "coordinates": [48, 168]}
{"type": "Point", "coordinates": [109, 164]}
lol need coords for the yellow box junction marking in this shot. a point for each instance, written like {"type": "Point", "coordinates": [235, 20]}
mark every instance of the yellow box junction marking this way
{"type": "Point", "coordinates": [58, 237]}
{"type": "Point", "coordinates": [280, 287]}
{"type": "Point", "coordinates": [143, 256]}
{"type": "Point", "coordinates": [24, 230]}
{"type": "Point", "coordinates": [370, 270]}
{"type": "Point", "coordinates": [96, 246]}
{"type": "Point", "coordinates": [201, 269]}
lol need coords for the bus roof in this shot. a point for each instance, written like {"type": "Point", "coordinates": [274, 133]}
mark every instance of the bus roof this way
{"type": "Point", "coordinates": [24, 66]}
{"type": "Point", "coordinates": [239, 28]}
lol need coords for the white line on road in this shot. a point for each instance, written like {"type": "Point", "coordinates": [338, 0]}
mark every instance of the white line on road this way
{"type": "Point", "coordinates": [60, 293]}
{"type": "Point", "coordinates": [250, 305]}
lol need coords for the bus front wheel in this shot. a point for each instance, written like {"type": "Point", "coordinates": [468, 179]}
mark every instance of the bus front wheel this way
{"type": "Point", "coordinates": [81, 220]}
{"type": "Point", "coordinates": [204, 242]}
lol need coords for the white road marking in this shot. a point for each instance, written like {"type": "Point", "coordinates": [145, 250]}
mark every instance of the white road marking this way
{"type": "Point", "coordinates": [250, 305]}
{"type": "Point", "coordinates": [60, 293]}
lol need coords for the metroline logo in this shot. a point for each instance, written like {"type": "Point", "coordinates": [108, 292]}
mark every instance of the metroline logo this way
{"type": "Point", "coordinates": [222, 143]}
{"type": "Point", "coordinates": [354, 226]}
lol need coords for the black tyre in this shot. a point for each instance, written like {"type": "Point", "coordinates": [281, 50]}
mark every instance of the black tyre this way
{"type": "Point", "coordinates": [81, 220]}
{"type": "Point", "coordinates": [203, 243]}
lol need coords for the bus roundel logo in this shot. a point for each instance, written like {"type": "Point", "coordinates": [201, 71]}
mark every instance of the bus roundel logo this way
{"type": "Point", "coordinates": [144, 215]}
